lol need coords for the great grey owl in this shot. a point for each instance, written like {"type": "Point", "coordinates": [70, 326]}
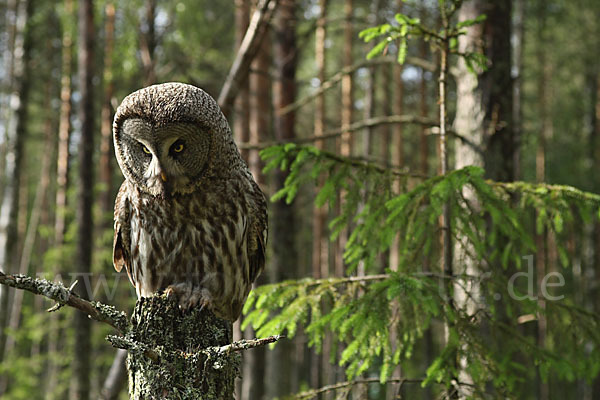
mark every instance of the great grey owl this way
{"type": "Point", "coordinates": [189, 219]}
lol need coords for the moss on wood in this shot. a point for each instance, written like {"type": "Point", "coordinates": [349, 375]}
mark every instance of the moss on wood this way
{"type": "Point", "coordinates": [167, 353]}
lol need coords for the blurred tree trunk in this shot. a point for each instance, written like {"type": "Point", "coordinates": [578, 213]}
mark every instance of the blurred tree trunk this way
{"type": "Point", "coordinates": [116, 378]}
{"type": "Point", "coordinates": [30, 233]}
{"type": "Point", "coordinates": [545, 132]}
{"type": "Point", "coordinates": [367, 150]}
{"type": "Point", "coordinates": [517, 115]}
{"type": "Point", "coordinates": [148, 42]}
{"type": "Point", "coordinates": [253, 372]}
{"type": "Point", "coordinates": [484, 102]}
{"type": "Point", "coordinates": [347, 82]}
{"type": "Point", "coordinates": [370, 85]}
{"type": "Point", "coordinates": [345, 147]}
{"type": "Point", "coordinates": [423, 106]}
{"type": "Point", "coordinates": [320, 243]}
{"type": "Point", "coordinates": [15, 139]}
{"type": "Point", "coordinates": [83, 346]}
{"type": "Point", "coordinates": [397, 159]}
{"type": "Point", "coordinates": [284, 259]}
{"type": "Point", "coordinates": [484, 117]}
{"type": "Point", "coordinates": [345, 142]}
{"type": "Point", "coordinates": [56, 338]}
{"type": "Point", "coordinates": [320, 250]}
{"type": "Point", "coordinates": [106, 146]}
{"type": "Point", "coordinates": [64, 131]}
{"type": "Point", "coordinates": [241, 125]}
{"type": "Point", "coordinates": [594, 167]}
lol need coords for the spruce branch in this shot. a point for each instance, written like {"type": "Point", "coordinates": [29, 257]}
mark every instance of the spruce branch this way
{"type": "Point", "coordinates": [64, 296]}
{"type": "Point", "coordinates": [340, 385]}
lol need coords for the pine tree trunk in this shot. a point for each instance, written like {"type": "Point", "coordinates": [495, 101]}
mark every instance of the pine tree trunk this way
{"type": "Point", "coordinates": [253, 373]}
{"type": "Point", "coordinates": [517, 112]}
{"type": "Point", "coordinates": [423, 106]}
{"type": "Point", "coordinates": [15, 138]}
{"type": "Point", "coordinates": [106, 148]}
{"type": "Point", "coordinates": [82, 324]}
{"type": "Point", "coordinates": [541, 239]}
{"type": "Point", "coordinates": [281, 365]}
{"type": "Point", "coordinates": [241, 124]}
{"type": "Point", "coordinates": [166, 361]}
{"type": "Point", "coordinates": [56, 338]}
{"type": "Point", "coordinates": [148, 42]}
{"type": "Point", "coordinates": [320, 248]}
{"type": "Point", "coordinates": [64, 131]}
{"type": "Point", "coordinates": [30, 236]}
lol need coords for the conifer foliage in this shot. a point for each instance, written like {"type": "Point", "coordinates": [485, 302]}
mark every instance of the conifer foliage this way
{"type": "Point", "coordinates": [494, 225]}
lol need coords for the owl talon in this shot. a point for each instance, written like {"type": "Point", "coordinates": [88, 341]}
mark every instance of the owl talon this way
{"type": "Point", "coordinates": [189, 296]}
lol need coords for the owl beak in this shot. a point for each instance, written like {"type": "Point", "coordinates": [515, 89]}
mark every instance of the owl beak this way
{"type": "Point", "coordinates": [156, 178]}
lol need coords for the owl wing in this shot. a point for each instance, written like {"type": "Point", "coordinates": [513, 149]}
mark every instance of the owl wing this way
{"type": "Point", "coordinates": [258, 239]}
{"type": "Point", "coordinates": [121, 241]}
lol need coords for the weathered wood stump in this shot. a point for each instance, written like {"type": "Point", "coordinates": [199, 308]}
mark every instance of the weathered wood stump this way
{"type": "Point", "coordinates": [174, 354]}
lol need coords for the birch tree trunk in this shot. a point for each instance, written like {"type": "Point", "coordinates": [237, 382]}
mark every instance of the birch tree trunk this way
{"type": "Point", "coordinates": [484, 117]}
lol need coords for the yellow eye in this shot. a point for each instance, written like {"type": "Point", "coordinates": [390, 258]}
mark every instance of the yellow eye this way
{"type": "Point", "coordinates": [146, 150]}
{"type": "Point", "coordinates": [177, 147]}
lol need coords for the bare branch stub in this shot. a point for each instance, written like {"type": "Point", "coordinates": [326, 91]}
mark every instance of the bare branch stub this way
{"type": "Point", "coordinates": [64, 296]}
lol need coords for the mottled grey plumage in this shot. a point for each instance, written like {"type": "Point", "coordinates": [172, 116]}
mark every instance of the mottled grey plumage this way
{"type": "Point", "coordinates": [189, 218]}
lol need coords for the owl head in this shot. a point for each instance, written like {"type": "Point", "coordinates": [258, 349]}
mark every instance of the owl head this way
{"type": "Point", "coordinates": [172, 137]}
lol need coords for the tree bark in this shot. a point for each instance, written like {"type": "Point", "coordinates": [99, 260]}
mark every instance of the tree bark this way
{"type": "Point", "coordinates": [484, 118]}
{"type": "Point", "coordinates": [164, 360]}
{"type": "Point", "coordinates": [517, 114]}
{"type": "Point", "coordinates": [320, 249]}
{"type": "Point", "coordinates": [148, 42]}
{"type": "Point", "coordinates": [30, 237]}
{"type": "Point", "coordinates": [15, 139]}
{"type": "Point", "coordinates": [249, 47]}
{"type": "Point", "coordinates": [423, 106]}
{"type": "Point", "coordinates": [116, 377]}
{"type": "Point", "coordinates": [64, 131]}
{"type": "Point", "coordinates": [281, 361]}
{"type": "Point", "coordinates": [56, 338]}
{"type": "Point", "coordinates": [241, 124]}
{"type": "Point", "coordinates": [83, 346]}
{"type": "Point", "coordinates": [253, 372]}
{"type": "Point", "coordinates": [544, 133]}
{"type": "Point", "coordinates": [172, 354]}
{"type": "Point", "coordinates": [347, 92]}
{"type": "Point", "coordinates": [106, 146]}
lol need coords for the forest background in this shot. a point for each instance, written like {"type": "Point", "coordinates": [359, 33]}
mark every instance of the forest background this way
{"type": "Point", "coordinates": [394, 271]}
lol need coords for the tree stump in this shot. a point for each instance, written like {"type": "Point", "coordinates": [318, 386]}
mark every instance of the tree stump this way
{"type": "Point", "coordinates": [174, 354]}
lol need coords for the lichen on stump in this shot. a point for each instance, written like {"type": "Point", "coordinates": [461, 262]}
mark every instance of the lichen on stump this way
{"type": "Point", "coordinates": [168, 356]}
